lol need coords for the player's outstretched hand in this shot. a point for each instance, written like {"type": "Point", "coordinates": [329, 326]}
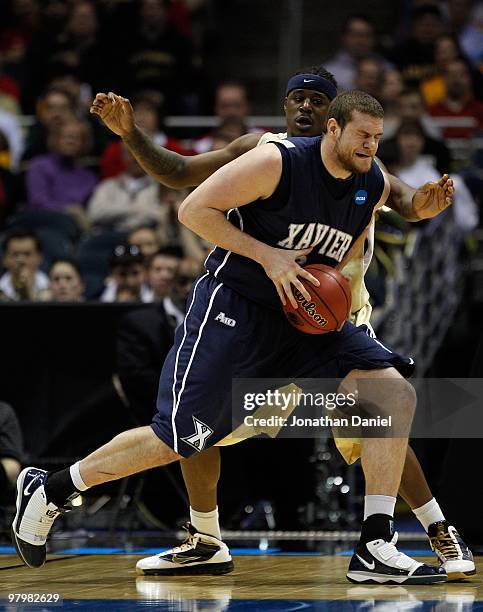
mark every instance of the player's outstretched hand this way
{"type": "Point", "coordinates": [116, 112]}
{"type": "Point", "coordinates": [432, 198]}
{"type": "Point", "coordinates": [281, 267]}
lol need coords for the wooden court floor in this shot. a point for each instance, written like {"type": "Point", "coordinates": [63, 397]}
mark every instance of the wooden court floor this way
{"type": "Point", "coordinates": [109, 582]}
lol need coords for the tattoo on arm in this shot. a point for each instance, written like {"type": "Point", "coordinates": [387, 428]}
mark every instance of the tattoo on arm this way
{"type": "Point", "coordinates": [157, 161]}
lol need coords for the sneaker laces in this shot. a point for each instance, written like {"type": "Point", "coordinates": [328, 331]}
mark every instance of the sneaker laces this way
{"type": "Point", "coordinates": [445, 544]}
{"type": "Point", "coordinates": [188, 544]}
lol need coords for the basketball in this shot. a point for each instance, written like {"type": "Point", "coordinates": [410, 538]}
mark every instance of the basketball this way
{"type": "Point", "coordinates": [329, 307]}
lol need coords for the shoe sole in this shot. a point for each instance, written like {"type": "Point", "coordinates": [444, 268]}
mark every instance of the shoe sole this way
{"type": "Point", "coordinates": [15, 537]}
{"type": "Point", "coordinates": [363, 578]}
{"type": "Point", "coordinates": [455, 576]}
{"type": "Point", "coordinates": [213, 569]}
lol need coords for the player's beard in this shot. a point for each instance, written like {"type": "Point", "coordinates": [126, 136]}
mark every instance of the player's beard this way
{"type": "Point", "coordinates": [345, 160]}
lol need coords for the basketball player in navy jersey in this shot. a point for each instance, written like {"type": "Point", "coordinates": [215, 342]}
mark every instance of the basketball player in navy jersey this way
{"type": "Point", "coordinates": [258, 209]}
{"type": "Point", "coordinates": [308, 95]}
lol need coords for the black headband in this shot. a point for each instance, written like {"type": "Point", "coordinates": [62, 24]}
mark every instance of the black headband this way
{"type": "Point", "coordinates": [314, 82]}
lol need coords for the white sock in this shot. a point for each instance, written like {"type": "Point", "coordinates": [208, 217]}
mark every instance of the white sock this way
{"type": "Point", "coordinates": [206, 522]}
{"type": "Point", "coordinates": [378, 504]}
{"type": "Point", "coordinates": [429, 513]}
{"type": "Point", "coordinates": [75, 474]}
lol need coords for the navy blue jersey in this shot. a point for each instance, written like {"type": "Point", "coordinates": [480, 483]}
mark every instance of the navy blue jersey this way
{"type": "Point", "coordinates": [309, 208]}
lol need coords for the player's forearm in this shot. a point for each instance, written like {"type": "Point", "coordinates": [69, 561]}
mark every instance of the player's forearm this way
{"type": "Point", "coordinates": [401, 199]}
{"type": "Point", "coordinates": [212, 225]}
{"type": "Point", "coordinates": [165, 166]}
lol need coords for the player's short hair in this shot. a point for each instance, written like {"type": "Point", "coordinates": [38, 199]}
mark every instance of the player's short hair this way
{"type": "Point", "coordinates": [319, 70]}
{"type": "Point", "coordinates": [342, 107]}
{"type": "Point", "coordinates": [22, 234]}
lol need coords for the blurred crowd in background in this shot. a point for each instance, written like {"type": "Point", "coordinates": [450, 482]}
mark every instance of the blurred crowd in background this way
{"type": "Point", "coordinates": [80, 220]}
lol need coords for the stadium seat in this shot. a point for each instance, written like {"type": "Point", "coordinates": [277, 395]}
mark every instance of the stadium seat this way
{"type": "Point", "coordinates": [57, 222]}
{"type": "Point", "coordinates": [93, 255]}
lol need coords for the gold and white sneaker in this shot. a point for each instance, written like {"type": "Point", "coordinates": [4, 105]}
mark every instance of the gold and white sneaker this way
{"type": "Point", "coordinates": [454, 555]}
{"type": "Point", "coordinates": [199, 554]}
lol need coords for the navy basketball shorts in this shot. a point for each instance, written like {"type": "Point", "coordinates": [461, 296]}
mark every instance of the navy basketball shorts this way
{"type": "Point", "coordinates": [225, 336]}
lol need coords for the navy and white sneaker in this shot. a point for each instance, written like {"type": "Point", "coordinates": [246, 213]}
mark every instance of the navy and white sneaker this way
{"type": "Point", "coordinates": [199, 554]}
{"type": "Point", "coordinates": [34, 517]}
{"type": "Point", "coordinates": [455, 556]}
{"type": "Point", "coordinates": [380, 562]}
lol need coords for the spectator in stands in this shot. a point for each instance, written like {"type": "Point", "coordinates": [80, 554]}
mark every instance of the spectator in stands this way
{"type": "Point", "coordinates": [11, 455]}
{"type": "Point", "coordinates": [9, 92]}
{"type": "Point", "coordinates": [80, 49]}
{"type": "Point", "coordinates": [22, 256]}
{"type": "Point", "coordinates": [146, 239]}
{"type": "Point", "coordinates": [411, 165]}
{"type": "Point", "coordinates": [158, 57]}
{"type": "Point", "coordinates": [19, 25]}
{"type": "Point", "coordinates": [54, 17]}
{"type": "Point", "coordinates": [231, 101]}
{"type": "Point", "coordinates": [145, 336]}
{"type": "Point", "coordinates": [161, 274]}
{"type": "Point", "coordinates": [147, 114]}
{"type": "Point", "coordinates": [54, 107]}
{"type": "Point", "coordinates": [412, 109]}
{"type": "Point", "coordinates": [459, 102]}
{"type": "Point", "coordinates": [414, 169]}
{"type": "Point", "coordinates": [10, 185]}
{"type": "Point", "coordinates": [392, 88]}
{"type": "Point", "coordinates": [57, 181]}
{"type": "Point", "coordinates": [66, 282]}
{"type": "Point", "coordinates": [126, 282]}
{"type": "Point", "coordinates": [125, 202]}
{"type": "Point", "coordinates": [357, 43]}
{"type": "Point", "coordinates": [414, 56]}
{"type": "Point", "coordinates": [144, 339]}
{"type": "Point", "coordinates": [466, 22]}
{"type": "Point", "coordinates": [169, 231]}
{"type": "Point", "coordinates": [231, 108]}
{"type": "Point", "coordinates": [370, 76]}
{"type": "Point", "coordinates": [188, 272]}
{"type": "Point", "coordinates": [229, 130]}
{"type": "Point", "coordinates": [10, 126]}
{"type": "Point", "coordinates": [446, 50]}
{"type": "Point", "coordinates": [79, 92]}
{"type": "Point", "coordinates": [43, 61]}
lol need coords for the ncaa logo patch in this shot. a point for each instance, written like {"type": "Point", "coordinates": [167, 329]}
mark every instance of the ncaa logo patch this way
{"type": "Point", "coordinates": [360, 197]}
